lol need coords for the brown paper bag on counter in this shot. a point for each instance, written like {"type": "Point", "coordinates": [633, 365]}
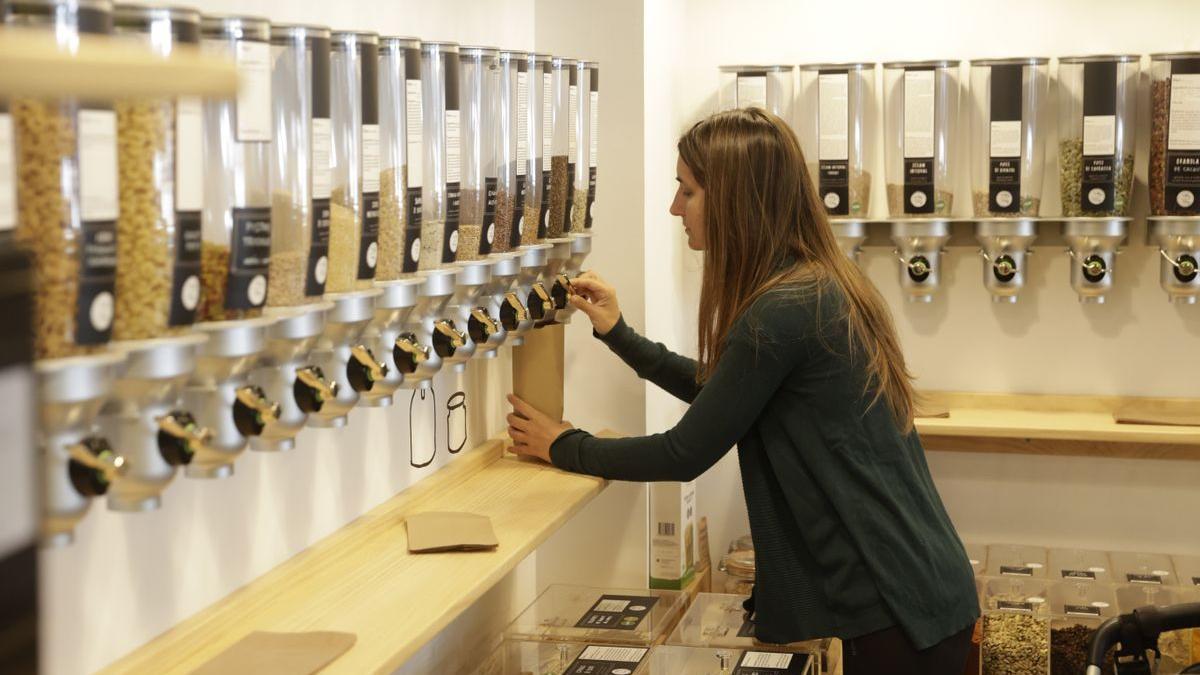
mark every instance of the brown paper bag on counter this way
{"type": "Point", "coordinates": [436, 532]}
{"type": "Point", "coordinates": [1145, 413]}
{"type": "Point", "coordinates": [538, 368]}
{"type": "Point", "coordinates": [263, 653]}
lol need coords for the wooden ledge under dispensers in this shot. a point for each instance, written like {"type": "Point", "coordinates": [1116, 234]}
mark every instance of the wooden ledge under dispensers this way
{"type": "Point", "coordinates": [1050, 424]}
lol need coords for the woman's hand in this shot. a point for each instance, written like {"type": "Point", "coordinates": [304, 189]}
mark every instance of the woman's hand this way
{"type": "Point", "coordinates": [532, 431]}
{"type": "Point", "coordinates": [592, 296]}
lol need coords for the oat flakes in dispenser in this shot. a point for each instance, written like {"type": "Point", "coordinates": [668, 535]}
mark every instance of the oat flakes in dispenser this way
{"type": "Point", "coordinates": [479, 82]}
{"type": "Point", "coordinates": [1008, 102]}
{"type": "Point", "coordinates": [512, 155]}
{"type": "Point", "coordinates": [768, 87]}
{"type": "Point", "coordinates": [235, 220]}
{"type": "Point", "coordinates": [442, 173]}
{"type": "Point", "coordinates": [66, 192]}
{"type": "Point", "coordinates": [838, 102]}
{"type": "Point", "coordinates": [558, 180]}
{"type": "Point", "coordinates": [921, 103]}
{"type": "Point", "coordinates": [399, 57]}
{"type": "Point", "coordinates": [537, 113]}
{"type": "Point", "coordinates": [1097, 106]}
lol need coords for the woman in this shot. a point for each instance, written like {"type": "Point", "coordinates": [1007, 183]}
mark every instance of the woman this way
{"type": "Point", "coordinates": [800, 367]}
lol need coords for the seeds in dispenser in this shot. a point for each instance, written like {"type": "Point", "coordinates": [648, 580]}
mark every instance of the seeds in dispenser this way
{"type": "Point", "coordinates": [392, 221]}
{"type": "Point", "coordinates": [289, 268]}
{"type": "Point", "coordinates": [214, 279]}
{"type": "Point", "coordinates": [943, 201]}
{"type": "Point", "coordinates": [579, 209]}
{"type": "Point", "coordinates": [1070, 165]}
{"type": "Point", "coordinates": [1029, 206]}
{"type": "Point", "coordinates": [1069, 649]}
{"type": "Point", "coordinates": [432, 235]}
{"type": "Point", "coordinates": [504, 222]}
{"type": "Point", "coordinates": [343, 248]}
{"type": "Point", "coordinates": [1160, 95]}
{"type": "Point", "coordinates": [1015, 643]}
{"type": "Point", "coordinates": [559, 181]}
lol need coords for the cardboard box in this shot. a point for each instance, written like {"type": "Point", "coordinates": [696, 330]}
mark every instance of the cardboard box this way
{"type": "Point", "coordinates": [672, 535]}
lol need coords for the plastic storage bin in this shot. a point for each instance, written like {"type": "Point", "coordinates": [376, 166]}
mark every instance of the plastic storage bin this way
{"type": "Point", "coordinates": [921, 101]}
{"type": "Point", "coordinates": [1097, 108]}
{"type": "Point", "coordinates": [1008, 100]}
{"type": "Point", "coordinates": [1143, 568]}
{"type": "Point", "coordinates": [771, 88]}
{"type": "Point", "coordinates": [577, 152]}
{"type": "Point", "coordinates": [1179, 648]}
{"type": "Point", "coordinates": [738, 567]}
{"type": "Point", "coordinates": [1016, 560]}
{"type": "Point", "coordinates": [442, 174]}
{"type": "Point", "coordinates": [1077, 609]}
{"type": "Point", "coordinates": [679, 660]}
{"type": "Point", "coordinates": [398, 57]}
{"type": "Point", "coordinates": [720, 620]}
{"type": "Point", "coordinates": [599, 615]}
{"type": "Point", "coordinates": [558, 181]}
{"type": "Point", "coordinates": [1079, 565]}
{"type": "Point", "coordinates": [1174, 176]}
{"type": "Point", "coordinates": [1016, 627]}
{"type": "Point", "coordinates": [479, 84]}
{"type": "Point", "coordinates": [511, 87]}
{"type": "Point", "coordinates": [838, 108]}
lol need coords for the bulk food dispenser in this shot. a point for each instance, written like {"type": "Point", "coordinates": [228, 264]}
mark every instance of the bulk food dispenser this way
{"type": "Point", "coordinates": [1174, 221]}
{"type": "Point", "coordinates": [921, 103]}
{"type": "Point", "coordinates": [1097, 106]}
{"type": "Point", "coordinates": [584, 190]}
{"type": "Point", "coordinates": [768, 87]}
{"type": "Point", "coordinates": [342, 352]}
{"type": "Point", "coordinates": [1016, 627]}
{"type": "Point", "coordinates": [557, 183]}
{"type": "Point", "coordinates": [300, 213]}
{"type": "Point", "coordinates": [838, 108]}
{"type": "Point", "coordinates": [538, 114]}
{"type": "Point", "coordinates": [67, 201]}
{"type": "Point", "coordinates": [1008, 100]}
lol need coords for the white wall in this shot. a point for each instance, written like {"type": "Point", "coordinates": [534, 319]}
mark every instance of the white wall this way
{"type": "Point", "coordinates": [1136, 344]}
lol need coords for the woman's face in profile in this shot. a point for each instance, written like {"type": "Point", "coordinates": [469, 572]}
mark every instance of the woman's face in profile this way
{"type": "Point", "coordinates": [689, 205]}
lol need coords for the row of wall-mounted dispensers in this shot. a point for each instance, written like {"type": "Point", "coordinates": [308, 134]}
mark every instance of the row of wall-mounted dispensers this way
{"type": "Point", "coordinates": [121, 424]}
{"type": "Point", "coordinates": [1005, 243]}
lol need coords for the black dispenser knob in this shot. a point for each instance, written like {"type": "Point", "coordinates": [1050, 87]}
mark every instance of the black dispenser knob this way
{"type": "Point", "coordinates": [481, 326]}
{"type": "Point", "coordinates": [447, 339]}
{"type": "Point", "coordinates": [178, 436]}
{"type": "Point", "coordinates": [1005, 268]}
{"type": "Point", "coordinates": [311, 390]}
{"type": "Point", "coordinates": [408, 353]}
{"type": "Point", "coordinates": [539, 303]}
{"type": "Point", "coordinates": [919, 268]}
{"type": "Point", "coordinates": [512, 312]}
{"type": "Point", "coordinates": [253, 411]}
{"type": "Point", "coordinates": [93, 466]}
{"type": "Point", "coordinates": [362, 370]}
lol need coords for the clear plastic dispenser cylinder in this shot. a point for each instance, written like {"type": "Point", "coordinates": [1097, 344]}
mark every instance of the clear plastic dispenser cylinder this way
{"type": "Point", "coordinates": [559, 179]}
{"type": "Point", "coordinates": [1097, 114]}
{"type": "Point", "coordinates": [395, 235]}
{"type": "Point", "coordinates": [512, 154]}
{"type": "Point", "coordinates": [921, 103]}
{"type": "Point", "coordinates": [1174, 141]}
{"type": "Point", "coordinates": [442, 174]}
{"type": "Point", "coordinates": [236, 215]}
{"type": "Point", "coordinates": [838, 103]}
{"type": "Point", "coordinates": [537, 113]}
{"type": "Point", "coordinates": [300, 165]}
{"type": "Point", "coordinates": [479, 81]}
{"type": "Point", "coordinates": [593, 139]}
{"type": "Point", "coordinates": [1008, 102]}
{"type": "Point", "coordinates": [580, 127]}
{"type": "Point", "coordinates": [771, 88]}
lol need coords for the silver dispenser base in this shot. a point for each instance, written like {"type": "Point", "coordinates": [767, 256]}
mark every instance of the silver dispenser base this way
{"type": "Point", "coordinates": [429, 322]}
{"type": "Point", "coordinates": [392, 310]}
{"type": "Point", "coordinates": [287, 376]}
{"type": "Point", "coordinates": [504, 303]}
{"type": "Point", "coordinates": [344, 357]}
{"type": "Point", "coordinates": [1093, 246]}
{"type": "Point", "coordinates": [1005, 244]}
{"type": "Point", "coordinates": [554, 280]}
{"type": "Point", "coordinates": [1178, 240]}
{"type": "Point", "coordinates": [71, 392]}
{"type": "Point", "coordinates": [919, 246]}
{"type": "Point", "coordinates": [533, 260]}
{"type": "Point", "coordinates": [469, 307]}
{"type": "Point", "coordinates": [850, 235]}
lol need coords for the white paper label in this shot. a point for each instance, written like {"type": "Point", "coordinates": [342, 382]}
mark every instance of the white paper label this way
{"type": "Point", "coordinates": [833, 123]}
{"type": "Point", "coordinates": [1006, 139]}
{"type": "Point", "coordinates": [189, 154]}
{"type": "Point", "coordinates": [19, 524]}
{"type": "Point", "coordinates": [766, 660]}
{"type": "Point", "coordinates": [8, 195]}
{"type": "Point", "coordinates": [322, 151]}
{"type": "Point", "coordinates": [752, 91]}
{"type": "Point", "coordinates": [415, 131]}
{"type": "Point", "coordinates": [618, 654]}
{"type": "Point", "coordinates": [1100, 135]}
{"type": "Point", "coordinates": [611, 606]}
{"type": "Point", "coordinates": [547, 117]}
{"type": "Point", "coordinates": [572, 121]}
{"type": "Point", "coordinates": [1183, 132]}
{"type": "Point", "coordinates": [453, 148]}
{"type": "Point", "coordinates": [594, 137]}
{"type": "Point", "coordinates": [254, 92]}
{"type": "Point", "coordinates": [370, 158]}
{"type": "Point", "coordinates": [918, 114]}
{"type": "Point", "coordinates": [98, 164]}
{"type": "Point", "coordinates": [522, 123]}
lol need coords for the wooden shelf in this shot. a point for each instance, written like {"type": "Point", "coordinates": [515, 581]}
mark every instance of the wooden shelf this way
{"type": "Point", "coordinates": [1056, 425]}
{"type": "Point", "coordinates": [363, 580]}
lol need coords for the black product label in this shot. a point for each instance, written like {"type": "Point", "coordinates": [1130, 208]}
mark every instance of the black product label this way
{"type": "Point", "coordinates": [514, 239]}
{"type": "Point", "coordinates": [185, 283]}
{"type": "Point", "coordinates": [488, 236]}
{"type": "Point", "coordinates": [1098, 175]}
{"type": "Point", "coordinates": [1004, 184]}
{"type": "Point", "coordinates": [1015, 571]}
{"type": "Point", "coordinates": [450, 235]}
{"type": "Point", "coordinates": [918, 186]}
{"type": "Point", "coordinates": [587, 222]}
{"type": "Point", "coordinates": [746, 630]}
{"type": "Point", "coordinates": [606, 660]}
{"type": "Point", "coordinates": [1011, 606]}
{"type": "Point", "coordinates": [320, 76]}
{"type": "Point", "coordinates": [834, 180]}
{"type": "Point", "coordinates": [1144, 579]}
{"type": "Point", "coordinates": [1081, 610]}
{"type": "Point", "coordinates": [413, 230]}
{"type": "Point", "coordinates": [1079, 574]}
{"type": "Point", "coordinates": [318, 252]}
{"type": "Point", "coordinates": [97, 283]}
{"type": "Point", "coordinates": [368, 246]}
{"type": "Point", "coordinates": [249, 257]}
{"type": "Point", "coordinates": [617, 612]}
{"type": "Point", "coordinates": [1182, 190]}
{"type": "Point", "coordinates": [773, 663]}
{"type": "Point", "coordinates": [543, 225]}
{"type": "Point", "coordinates": [569, 216]}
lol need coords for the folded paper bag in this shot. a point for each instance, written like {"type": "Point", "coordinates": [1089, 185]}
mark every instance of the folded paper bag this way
{"type": "Point", "coordinates": [1163, 416]}
{"type": "Point", "coordinates": [433, 532]}
{"type": "Point", "coordinates": [263, 653]}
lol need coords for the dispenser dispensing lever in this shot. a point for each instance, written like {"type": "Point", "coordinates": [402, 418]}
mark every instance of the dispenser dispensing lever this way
{"type": "Point", "coordinates": [178, 437]}
{"type": "Point", "coordinates": [363, 370]}
{"type": "Point", "coordinates": [312, 390]}
{"type": "Point", "coordinates": [253, 411]}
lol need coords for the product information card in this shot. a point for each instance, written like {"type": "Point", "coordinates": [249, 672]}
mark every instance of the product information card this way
{"type": "Point", "coordinates": [617, 612]}
{"type": "Point", "coordinates": [596, 660]}
{"type": "Point", "coordinates": [770, 663]}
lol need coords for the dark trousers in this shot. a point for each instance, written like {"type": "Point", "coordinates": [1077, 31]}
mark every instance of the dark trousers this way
{"type": "Point", "coordinates": [890, 651]}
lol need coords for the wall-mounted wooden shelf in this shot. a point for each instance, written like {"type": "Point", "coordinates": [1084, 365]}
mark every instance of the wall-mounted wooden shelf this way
{"type": "Point", "coordinates": [1058, 425]}
{"type": "Point", "coordinates": [363, 580]}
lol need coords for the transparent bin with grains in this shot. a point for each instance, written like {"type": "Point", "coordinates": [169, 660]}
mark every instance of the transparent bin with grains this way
{"type": "Point", "coordinates": [1078, 608]}
{"type": "Point", "coordinates": [511, 156]}
{"type": "Point", "coordinates": [1016, 627]}
{"type": "Point", "coordinates": [838, 108]}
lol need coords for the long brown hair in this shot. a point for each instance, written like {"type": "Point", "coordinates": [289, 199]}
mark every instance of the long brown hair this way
{"type": "Point", "coordinates": [764, 225]}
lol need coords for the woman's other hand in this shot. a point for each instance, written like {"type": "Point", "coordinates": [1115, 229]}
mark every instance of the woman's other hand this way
{"type": "Point", "coordinates": [594, 297]}
{"type": "Point", "coordinates": [532, 431]}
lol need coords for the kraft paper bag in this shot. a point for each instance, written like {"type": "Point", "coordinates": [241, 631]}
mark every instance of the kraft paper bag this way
{"type": "Point", "coordinates": [932, 412]}
{"type": "Point", "coordinates": [263, 653]}
{"type": "Point", "coordinates": [1145, 414]}
{"type": "Point", "coordinates": [436, 532]}
{"type": "Point", "coordinates": [538, 367]}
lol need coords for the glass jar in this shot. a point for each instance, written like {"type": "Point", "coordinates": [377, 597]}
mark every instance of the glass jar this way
{"type": "Point", "coordinates": [160, 186]}
{"type": "Point", "coordinates": [236, 218]}
{"type": "Point", "coordinates": [739, 569]}
{"type": "Point", "coordinates": [509, 204]}
{"type": "Point", "coordinates": [443, 165]}
{"type": "Point", "coordinates": [1077, 609]}
{"type": "Point", "coordinates": [742, 543]}
{"type": "Point", "coordinates": [921, 107]}
{"type": "Point", "coordinates": [1016, 560]}
{"type": "Point", "coordinates": [414, 131]}
{"type": "Point", "coordinates": [577, 153]}
{"type": "Point", "coordinates": [1008, 101]}
{"type": "Point", "coordinates": [768, 87]}
{"type": "Point", "coordinates": [300, 165]}
{"type": "Point", "coordinates": [394, 54]}
{"type": "Point", "coordinates": [1016, 627]}
{"type": "Point", "coordinates": [839, 104]}
{"type": "Point", "coordinates": [1174, 174]}
{"type": "Point", "coordinates": [67, 199]}
{"type": "Point", "coordinates": [593, 139]}
{"type": "Point", "coordinates": [354, 227]}
{"type": "Point", "coordinates": [1097, 107]}
{"type": "Point", "coordinates": [1080, 565]}
{"type": "Point", "coordinates": [1176, 646]}
{"type": "Point", "coordinates": [478, 81]}
{"type": "Point", "coordinates": [538, 114]}
{"type": "Point", "coordinates": [558, 180]}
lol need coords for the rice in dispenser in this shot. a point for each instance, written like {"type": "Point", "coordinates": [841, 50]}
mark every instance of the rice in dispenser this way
{"type": "Point", "coordinates": [838, 108]}
{"type": "Point", "coordinates": [1008, 100]}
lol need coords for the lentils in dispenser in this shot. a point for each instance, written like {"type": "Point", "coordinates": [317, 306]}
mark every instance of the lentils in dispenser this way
{"type": "Point", "coordinates": [236, 217]}
{"type": "Point", "coordinates": [580, 127]}
{"type": "Point", "coordinates": [767, 87]}
{"type": "Point", "coordinates": [558, 181]}
{"type": "Point", "coordinates": [354, 228]}
{"type": "Point", "coordinates": [478, 81]}
{"type": "Point", "coordinates": [1008, 97]}
{"type": "Point", "coordinates": [1097, 121]}
{"type": "Point", "coordinates": [921, 106]}
{"type": "Point", "coordinates": [537, 115]}
{"type": "Point", "coordinates": [1174, 174]}
{"type": "Point", "coordinates": [593, 139]}
{"type": "Point", "coordinates": [66, 189]}
{"type": "Point", "coordinates": [838, 101]}
{"type": "Point", "coordinates": [509, 163]}
{"type": "Point", "coordinates": [440, 199]}
{"type": "Point", "coordinates": [160, 186]}
{"type": "Point", "coordinates": [300, 165]}
{"type": "Point", "coordinates": [394, 233]}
